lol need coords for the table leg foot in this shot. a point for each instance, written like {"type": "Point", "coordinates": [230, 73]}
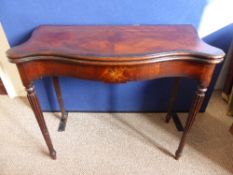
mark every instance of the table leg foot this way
{"type": "Point", "coordinates": [62, 125]}
{"type": "Point", "coordinates": [53, 154]}
{"type": "Point", "coordinates": [177, 155]}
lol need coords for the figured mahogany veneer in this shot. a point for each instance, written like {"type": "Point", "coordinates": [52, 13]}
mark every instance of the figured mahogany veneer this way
{"type": "Point", "coordinates": [115, 54]}
{"type": "Point", "coordinates": [114, 43]}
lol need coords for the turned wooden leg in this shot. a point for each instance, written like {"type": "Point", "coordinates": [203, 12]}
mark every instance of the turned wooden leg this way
{"type": "Point", "coordinates": [64, 114]}
{"type": "Point", "coordinates": [31, 94]}
{"type": "Point", "coordinates": [172, 101]}
{"type": "Point", "coordinates": [198, 100]}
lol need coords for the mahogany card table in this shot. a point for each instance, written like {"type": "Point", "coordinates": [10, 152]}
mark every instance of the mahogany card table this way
{"type": "Point", "coordinates": [115, 54]}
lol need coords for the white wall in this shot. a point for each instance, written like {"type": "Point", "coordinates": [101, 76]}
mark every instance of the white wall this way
{"type": "Point", "coordinates": [217, 14]}
{"type": "Point", "coordinates": [8, 71]}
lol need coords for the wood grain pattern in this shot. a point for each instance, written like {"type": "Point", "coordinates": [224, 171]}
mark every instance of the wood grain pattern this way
{"type": "Point", "coordinates": [115, 43]}
{"type": "Point", "coordinates": [116, 54]}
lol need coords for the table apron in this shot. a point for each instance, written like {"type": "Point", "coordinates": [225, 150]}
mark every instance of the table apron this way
{"type": "Point", "coordinates": [202, 72]}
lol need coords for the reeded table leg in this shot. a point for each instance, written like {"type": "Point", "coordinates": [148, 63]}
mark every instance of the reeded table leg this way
{"type": "Point", "coordinates": [172, 100]}
{"type": "Point", "coordinates": [198, 100]}
{"type": "Point", "coordinates": [31, 94]}
{"type": "Point", "coordinates": [64, 114]}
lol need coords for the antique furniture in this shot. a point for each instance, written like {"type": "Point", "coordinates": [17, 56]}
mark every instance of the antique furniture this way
{"type": "Point", "coordinates": [115, 54]}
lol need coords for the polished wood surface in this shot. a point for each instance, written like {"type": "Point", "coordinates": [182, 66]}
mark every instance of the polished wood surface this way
{"type": "Point", "coordinates": [115, 43]}
{"type": "Point", "coordinates": [116, 54]}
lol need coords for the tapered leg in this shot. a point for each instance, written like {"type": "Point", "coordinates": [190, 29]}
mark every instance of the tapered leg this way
{"type": "Point", "coordinates": [198, 100]}
{"type": "Point", "coordinates": [31, 94]}
{"type": "Point", "coordinates": [172, 101]}
{"type": "Point", "coordinates": [64, 114]}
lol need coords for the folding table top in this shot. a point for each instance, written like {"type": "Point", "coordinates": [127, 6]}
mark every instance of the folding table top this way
{"type": "Point", "coordinates": [114, 43]}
